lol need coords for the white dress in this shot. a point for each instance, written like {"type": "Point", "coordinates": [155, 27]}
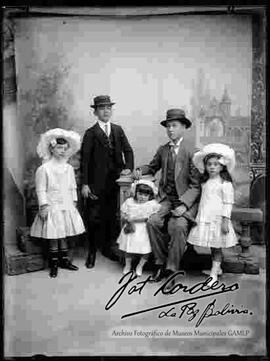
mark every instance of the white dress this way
{"type": "Point", "coordinates": [56, 186]}
{"type": "Point", "coordinates": [137, 242]}
{"type": "Point", "coordinates": [217, 199]}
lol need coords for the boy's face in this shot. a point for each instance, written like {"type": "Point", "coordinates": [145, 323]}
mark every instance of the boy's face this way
{"type": "Point", "coordinates": [175, 130]}
{"type": "Point", "coordinates": [103, 112]}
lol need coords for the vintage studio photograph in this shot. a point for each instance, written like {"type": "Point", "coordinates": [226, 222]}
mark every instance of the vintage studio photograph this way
{"type": "Point", "coordinates": [134, 168]}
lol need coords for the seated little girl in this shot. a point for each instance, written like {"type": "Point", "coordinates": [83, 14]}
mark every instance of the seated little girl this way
{"type": "Point", "coordinates": [135, 211]}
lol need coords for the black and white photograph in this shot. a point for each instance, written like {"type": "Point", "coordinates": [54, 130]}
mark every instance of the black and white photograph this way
{"type": "Point", "coordinates": [134, 180]}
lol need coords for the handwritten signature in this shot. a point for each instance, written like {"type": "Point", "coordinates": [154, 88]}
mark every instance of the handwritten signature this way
{"type": "Point", "coordinates": [189, 308]}
{"type": "Point", "coordinates": [192, 310]}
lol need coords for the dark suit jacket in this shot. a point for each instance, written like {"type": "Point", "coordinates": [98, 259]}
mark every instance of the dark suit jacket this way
{"type": "Point", "coordinates": [95, 156]}
{"type": "Point", "coordinates": [186, 175]}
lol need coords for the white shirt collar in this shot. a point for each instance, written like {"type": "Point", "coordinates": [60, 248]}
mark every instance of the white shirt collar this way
{"type": "Point", "coordinates": [102, 126]}
{"type": "Point", "coordinates": [177, 145]}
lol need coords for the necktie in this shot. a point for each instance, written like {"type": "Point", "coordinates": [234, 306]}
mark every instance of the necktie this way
{"type": "Point", "coordinates": [173, 152]}
{"type": "Point", "coordinates": [106, 130]}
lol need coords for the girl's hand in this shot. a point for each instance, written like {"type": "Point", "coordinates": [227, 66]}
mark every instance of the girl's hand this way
{"type": "Point", "coordinates": [129, 228]}
{"type": "Point", "coordinates": [128, 218]}
{"type": "Point", "coordinates": [43, 211]}
{"type": "Point", "coordinates": [225, 225]}
{"type": "Point", "coordinates": [75, 204]}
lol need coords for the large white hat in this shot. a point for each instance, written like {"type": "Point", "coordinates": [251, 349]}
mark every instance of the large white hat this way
{"type": "Point", "coordinates": [146, 182]}
{"type": "Point", "coordinates": [227, 156]}
{"type": "Point", "coordinates": [49, 139]}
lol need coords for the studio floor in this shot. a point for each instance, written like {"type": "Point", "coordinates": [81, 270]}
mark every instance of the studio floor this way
{"type": "Point", "coordinates": [66, 316]}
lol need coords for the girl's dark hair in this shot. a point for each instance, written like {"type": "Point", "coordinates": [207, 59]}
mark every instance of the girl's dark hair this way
{"type": "Point", "coordinates": [224, 174]}
{"type": "Point", "coordinates": [61, 141]}
{"type": "Point", "coordinates": [143, 188]}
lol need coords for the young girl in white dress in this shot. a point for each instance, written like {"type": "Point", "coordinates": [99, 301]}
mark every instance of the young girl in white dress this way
{"type": "Point", "coordinates": [135, 211]}
{"type": "Point", "coordinates": [214, 228]}
{"type": "Point", "coordinates": [58, 217]}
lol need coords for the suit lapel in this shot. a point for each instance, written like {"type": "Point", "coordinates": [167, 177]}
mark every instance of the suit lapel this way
{"type": "Point", "coordinates": [114, 132]}
{"type": "Point", "coordinates": [166, 156]}
{"type": "Point", "coordinates": [179, 159]}
{"type": "Point", "coordinates": [101, 136]}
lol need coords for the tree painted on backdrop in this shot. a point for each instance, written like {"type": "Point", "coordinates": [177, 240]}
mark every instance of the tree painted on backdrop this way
{"type": "Point", "coordinates": [46, 105]}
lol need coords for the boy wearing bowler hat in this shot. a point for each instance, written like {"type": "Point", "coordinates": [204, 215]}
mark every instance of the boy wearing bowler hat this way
{"type": "Point", "coordinates": [179, 191]}
{"type": "Point", "coordinates": [103, 147]}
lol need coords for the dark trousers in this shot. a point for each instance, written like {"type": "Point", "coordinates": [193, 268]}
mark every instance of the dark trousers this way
{"type": "Point", "coordinates": [102, 221]}
{"type": "Point", "coordinates": [168, 236]}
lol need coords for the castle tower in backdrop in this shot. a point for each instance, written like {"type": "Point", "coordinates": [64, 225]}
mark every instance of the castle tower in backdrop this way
{"type": "Point", "coordinates": [214, 123]}
{"type": "Point", "coordinates": [225, 104]}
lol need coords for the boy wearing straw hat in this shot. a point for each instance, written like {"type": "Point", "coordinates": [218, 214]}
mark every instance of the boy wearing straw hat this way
{"type": "Point", "coordinates": [103, 147]}
{"type": "Point", "coordinates": [179, 191]}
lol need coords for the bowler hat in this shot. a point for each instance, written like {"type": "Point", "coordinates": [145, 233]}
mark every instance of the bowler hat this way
{"type": "Point", "coordinates": [176, 114]}
{"type": "Point", "coordinates": [102, 100]}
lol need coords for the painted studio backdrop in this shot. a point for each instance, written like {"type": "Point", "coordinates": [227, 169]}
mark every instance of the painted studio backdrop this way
{"type": "Point", "coordinates": [213, 68]}
{"type": "Point", "coordinates": [147, 66]}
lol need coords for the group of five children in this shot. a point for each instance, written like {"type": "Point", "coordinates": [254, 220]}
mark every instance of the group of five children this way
{"type": "Point", "coordinates": [192, 205]}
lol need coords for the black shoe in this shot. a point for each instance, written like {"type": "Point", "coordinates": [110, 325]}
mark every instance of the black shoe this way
{"type": "Point", "coordinates": [66, 264]}
{"type": "Point", "coordinates": [170, 274]}
{"type": "Point", "coordinates": [111, 256]}
{"type": "Point", "coordinates": [158, 275]}
{"type": "Point", "coordinates": [90, 262]}
{"type": "Point", "coordinates": [169, 285]}
{"type": "Point", "coordinates": [54, 269]}
{"type": "Point", "coordinates": [190, 250]}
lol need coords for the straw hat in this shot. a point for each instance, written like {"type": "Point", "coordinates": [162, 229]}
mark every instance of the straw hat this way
{"type": "Point", "coordinates": [102, 100]}
{"type": "Point", "coordinates": [49, 139]}
{"type": "Point", "coordinates": [227, 156]}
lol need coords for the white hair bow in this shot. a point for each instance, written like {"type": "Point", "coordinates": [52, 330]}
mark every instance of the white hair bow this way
{"type": "Point", "coordinates": [53, 142]}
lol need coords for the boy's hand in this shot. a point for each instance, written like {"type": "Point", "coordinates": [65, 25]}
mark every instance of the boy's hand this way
{"type": "Point", "coordinates": [179, 211]}
{"type": "Point", "coordinates": [137, 174]}
{"type": "Point", "coordinates": [75, 204]}
{"type": "Point", "coordinates": [225, 225]}
{"type": "Point", "coordinates": [125, 172]}
{"type": "Point", "coordinates": [156, 219]}
{"type": "Point", "coordinates": [86, 192]}
{"type": "Point", "coordinates": [43, 211]}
